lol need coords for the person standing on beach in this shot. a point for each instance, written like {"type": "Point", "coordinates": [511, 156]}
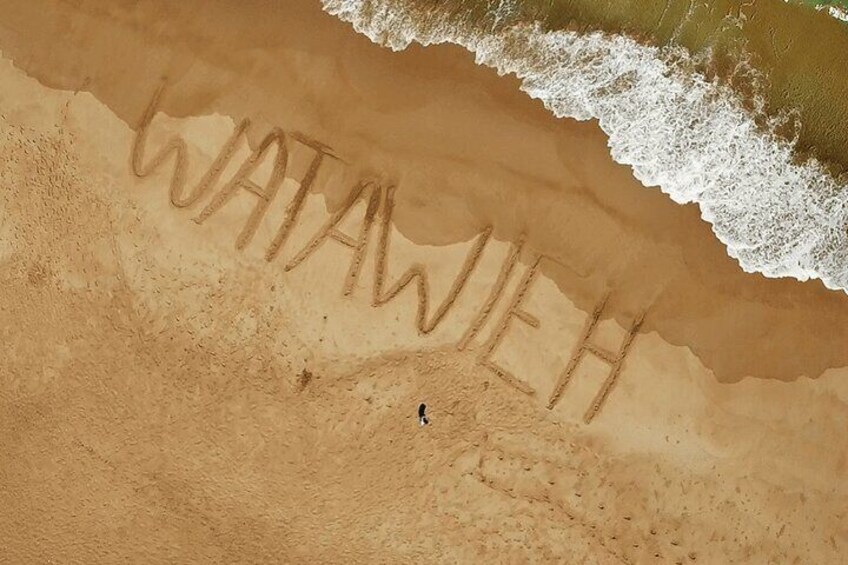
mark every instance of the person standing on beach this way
{"type": "Point", "coordinates": [422, 418]}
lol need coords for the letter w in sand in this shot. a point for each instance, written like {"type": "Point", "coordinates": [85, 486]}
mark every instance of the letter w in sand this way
{"type": "Point", "coordinates": [178, 147]}
{"type": "Point", "coordinates": [419, 274]}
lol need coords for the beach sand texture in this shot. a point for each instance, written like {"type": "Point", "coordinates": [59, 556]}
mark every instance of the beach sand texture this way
{"type": "Point", "coordinates": [217, 356]}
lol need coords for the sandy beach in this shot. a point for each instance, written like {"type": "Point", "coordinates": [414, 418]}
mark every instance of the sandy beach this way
{"type": "Point", "coordinates": [216, 356]}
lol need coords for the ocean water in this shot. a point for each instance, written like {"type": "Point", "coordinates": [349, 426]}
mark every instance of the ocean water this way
{"type": "Point", "coordinates": [835, 8]}
{"type": "Point", "coordinates": [678, 126]}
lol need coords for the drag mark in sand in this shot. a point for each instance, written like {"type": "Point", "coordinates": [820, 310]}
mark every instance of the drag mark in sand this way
{"type": "Point", "coordinates": [513, 311]}
{"type": "Point", "coordinates": [241, 180]}
{"type": "Point", "coordinates": [296, 205]}
{"type": "Point", "coordinates": [177, 146]}
{"type": "Point", "coordinates": [494, 295]}
{"type": "Point", "coordinates": [615, 360]}
{"type": "Point", "coordinates": [584, 345]}
{"type": "Point", "coordinates": [417, 271]}
{"type": "Point", "coordinates": [330, 231]}
{"type": "Point", "coordinates": [379, 200]}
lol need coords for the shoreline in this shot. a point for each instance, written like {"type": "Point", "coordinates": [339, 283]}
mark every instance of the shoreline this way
{"type": "Point", "coordinates": [602, 228]}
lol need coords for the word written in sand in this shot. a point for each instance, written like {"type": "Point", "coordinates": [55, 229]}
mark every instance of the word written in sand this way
{"type": "Point", "coordinates": [214, 194]}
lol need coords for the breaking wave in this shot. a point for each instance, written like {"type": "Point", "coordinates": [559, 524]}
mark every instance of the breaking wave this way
{"type": "Point", "coordinates": [678, 130]}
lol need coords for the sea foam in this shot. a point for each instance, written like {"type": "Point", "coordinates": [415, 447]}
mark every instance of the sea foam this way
{"type": "Point", "coordinates": [837, 12]}
{"type": "Point", "coordinates": [690, 136]}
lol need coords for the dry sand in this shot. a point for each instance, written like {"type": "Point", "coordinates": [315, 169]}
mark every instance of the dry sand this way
{"type": "Point", "coordinates": [195, 382]}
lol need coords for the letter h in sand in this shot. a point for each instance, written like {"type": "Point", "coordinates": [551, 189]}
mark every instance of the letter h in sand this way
{"type": "Point", "coordinates": [584, 346]}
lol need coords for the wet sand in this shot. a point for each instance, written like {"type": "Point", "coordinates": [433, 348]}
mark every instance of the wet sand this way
{"type": "Point", "coordinates": [171, 397]}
